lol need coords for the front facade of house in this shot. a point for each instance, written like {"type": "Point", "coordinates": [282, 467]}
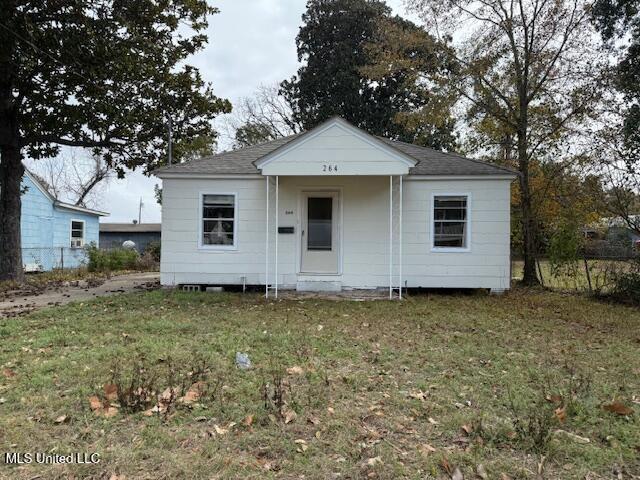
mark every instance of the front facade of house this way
{"type": "Point", "coordinates": [53, 233]}
{"type": "Point", "coordinates": [336, 208]}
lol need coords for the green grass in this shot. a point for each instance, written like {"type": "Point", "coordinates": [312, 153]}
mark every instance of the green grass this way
{"type": "Point", "coordinates": [382, 380]}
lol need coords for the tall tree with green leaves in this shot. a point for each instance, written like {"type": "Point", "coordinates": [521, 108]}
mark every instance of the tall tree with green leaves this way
{"type": "Point", "coordinates": [617, 144]}
{"type": "Point", "coordinates": [103, 75]}
{"type": "Point", "coordinates": [333, 44]}
{"type": "Point", "coordinates": [620, 20]}
{"type": "Point", "coordinates": [529, 72]}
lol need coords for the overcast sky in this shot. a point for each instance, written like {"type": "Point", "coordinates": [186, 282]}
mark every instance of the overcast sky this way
{"type": "Point", "coordinates": [251, 42]}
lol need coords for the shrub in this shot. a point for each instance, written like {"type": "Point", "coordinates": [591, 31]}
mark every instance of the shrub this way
{"type": "Point", "coordinates": [564, 249]}
{"type": "Point", "coordinates": [110, 260]}
{"type": "Point", "coordinates": [627, 284]}
{"type": "Point", "coordinates": [153, 249]}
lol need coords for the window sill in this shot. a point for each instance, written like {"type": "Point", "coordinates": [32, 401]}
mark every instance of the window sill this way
{"type": "Point", "coordinates": [216, 248]}
{"type": "Point", "coordinates": [449, 250]}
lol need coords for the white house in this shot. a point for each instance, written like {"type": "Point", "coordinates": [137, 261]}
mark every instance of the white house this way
{"type": "Point", "coordinates": [336, 208]}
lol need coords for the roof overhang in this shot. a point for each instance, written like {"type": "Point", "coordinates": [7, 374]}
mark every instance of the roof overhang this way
{"type": "Point", "coordinates": [335, 148]}
{"type": "Point", "coordinates": [76, 208]}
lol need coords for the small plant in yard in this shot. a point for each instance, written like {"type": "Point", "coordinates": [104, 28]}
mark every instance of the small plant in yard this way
{"type": "Point", "coordinates": [284, 391]}
{"type": "Point", "coordinates": [156, 387]}
{"type": "Point", "coordinates": [534, 419]}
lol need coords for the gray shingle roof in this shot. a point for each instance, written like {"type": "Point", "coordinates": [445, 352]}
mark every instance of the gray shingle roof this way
{"type": "Point", "coordinates": [429, 161]}
{"type": "Point", "coordinates": [130, 227]}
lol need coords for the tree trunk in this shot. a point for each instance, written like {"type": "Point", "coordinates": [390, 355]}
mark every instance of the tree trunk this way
{"type": "Point", "coordinates": [530, 276]}
{"type": "Point", "coordinates": [11, 171]}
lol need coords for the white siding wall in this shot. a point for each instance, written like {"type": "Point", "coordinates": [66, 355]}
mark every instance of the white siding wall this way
{"type": "Point", "coordinates": [365, 233]}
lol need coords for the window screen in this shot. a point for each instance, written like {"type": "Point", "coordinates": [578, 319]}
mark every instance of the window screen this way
{"type": "Point", "coordinates": [218, 219]}
{"type": "Point", "coordinates": [450, 221]}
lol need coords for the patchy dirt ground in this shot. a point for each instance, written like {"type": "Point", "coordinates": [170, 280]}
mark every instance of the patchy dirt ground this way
{"type": "Point", "coordinates": [18, 302]}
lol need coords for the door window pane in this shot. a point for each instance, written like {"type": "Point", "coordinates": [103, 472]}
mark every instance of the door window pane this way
{"type": "Point", "coordinates": [319, 223]}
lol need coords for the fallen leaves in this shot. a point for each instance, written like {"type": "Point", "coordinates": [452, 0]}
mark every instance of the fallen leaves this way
{"type": "Point", "coordinates": [8, 373]}
{"type": "Point", "coordinates": [560, 413]}
{"type": "Point", "coordinates": [618, 408]}
{"type": "Point", "coordinates": [289, 416]}
{"type": "Point", "coordinates": [110, 391]}
{"type": "Point", "coordinates": [302, 445]}
{"type": "Point", "coordinates": [295, 370]}
{"type": "Point", "coordinates": [419, 395]}
{"type": "Point", "coordinates": [224, 430]}
{"type": "Point", "coordinates": [453, 472]}
{"type": "Point", "coordinates": [102, 408]}
{"type": "Point", "coordinates": [373, 461]}
{"type": "Point", "coordinates": [426, 449]}
{"type": "Point", "coordinates": [61, 419]}
{"type": "Point", "coordinates": [193, 394]}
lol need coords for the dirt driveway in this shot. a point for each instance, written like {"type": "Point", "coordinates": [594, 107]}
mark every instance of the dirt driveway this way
{"type": "Point", "coordinates": [18, 305]}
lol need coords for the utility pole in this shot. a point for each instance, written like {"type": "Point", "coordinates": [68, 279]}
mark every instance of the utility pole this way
{"type": "Point", "coordinates": [140, 211]}
{"type": "Point", "coordinates": [170, 146]}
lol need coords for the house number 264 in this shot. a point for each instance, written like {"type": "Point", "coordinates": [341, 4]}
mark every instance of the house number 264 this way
{"type": "Point", "coordinates": [329, 168]}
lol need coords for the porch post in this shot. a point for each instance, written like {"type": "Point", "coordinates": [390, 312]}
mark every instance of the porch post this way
{"type": "Point", "coordinates": [400, 246]}
{"type": "Point", "coordinates": [266, 256]}
{"type": "Point", "coordinates": [390, 236]}
{"type": "Point", "coordinates": [277, 235]}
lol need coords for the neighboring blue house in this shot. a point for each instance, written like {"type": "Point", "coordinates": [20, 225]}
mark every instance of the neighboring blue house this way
{"type": "Point", "coordinates": [53, 232]}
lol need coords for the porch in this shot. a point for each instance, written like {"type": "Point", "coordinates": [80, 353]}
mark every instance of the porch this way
{"type": "Point", "coordinates": [326, 233]}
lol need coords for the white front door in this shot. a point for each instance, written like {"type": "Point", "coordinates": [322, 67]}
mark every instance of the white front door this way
{"type": "Point", "coordinates": [320, 232]}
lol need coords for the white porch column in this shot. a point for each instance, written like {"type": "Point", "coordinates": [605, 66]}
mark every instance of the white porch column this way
{"type": "Point", "coordinates": [400, 239]}
{"type": "Point", "coordinates": [390, 236]}
{"type": "Point", "coordinates": [266, 255]}
{"type": "Point", "coordinates": [277, 225]}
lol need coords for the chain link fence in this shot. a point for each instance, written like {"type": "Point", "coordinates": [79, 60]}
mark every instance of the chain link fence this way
{"type": "Point", "coordinates": [45, 259]}
{"type": "Point", "coordinates": [595, 269]}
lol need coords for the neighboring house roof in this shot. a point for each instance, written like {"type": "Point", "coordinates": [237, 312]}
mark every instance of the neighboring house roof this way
{"type": "Point", "coordinates": [428, 160]}
{"type": "Point", "coordinates": [57, 203]}
{"type": "Point", "coordinates": [130, 228]}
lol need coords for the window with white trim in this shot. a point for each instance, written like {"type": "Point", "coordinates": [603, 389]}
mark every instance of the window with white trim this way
{"type": "Point", "coordinates": [77, 234]}
{"type": "Point", "coordinates": [450, 221]}
{"type": "Point", "coordinates": [218, 220]}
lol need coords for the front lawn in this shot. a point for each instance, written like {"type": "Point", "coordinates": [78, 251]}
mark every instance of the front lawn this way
{"type": "Point", "coordinates": [528, 385]}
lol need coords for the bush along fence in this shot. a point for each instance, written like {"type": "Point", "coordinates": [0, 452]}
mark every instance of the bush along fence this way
{"type": "Point", "coordinates": [109, 260]}
{"type": "Point", "coordinates": [46, 259]}
{"type": "Point", "coordinates": [600, 269]}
